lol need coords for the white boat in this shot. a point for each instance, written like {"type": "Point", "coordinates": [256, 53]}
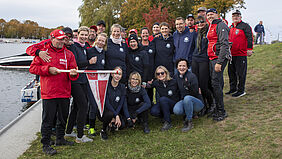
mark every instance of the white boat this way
{"type": "Point", "coordinates": [31, 92]}
{"type": "Point", "coordinates": [17, 61]}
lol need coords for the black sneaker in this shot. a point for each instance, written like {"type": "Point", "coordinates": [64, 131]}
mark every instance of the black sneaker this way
{"type": "Point", "coordinates": [220, 116]}
{"type": "Point", "coordinates": [187, 125]}
{"type": "Point", "coordinates": [104, 135]}
{"type": "Point", "coordinates": [238, 94]}
{"type": "Point", "coordinates": [230, 92]}
{"type": "Point", "coordinates": [166, 126]}
{"type": "Point", "coordinates": [146, 128]}
{"type": "Point", "coordinates": [62, 142]}
{"type": "Point", "coordinates": [48, 150]}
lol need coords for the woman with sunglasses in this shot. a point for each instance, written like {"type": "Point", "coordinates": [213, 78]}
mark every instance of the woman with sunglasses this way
{"type": "Point", "coordinates": [200, 63]}
{"type": "Point", "coordinates": [168, 91]}
{"type": "Point", "coordinates": [191, 99]}
{"type": "Point", "coordinates": [116, 112]}
{"type": "Point", "coordinates": [138, 101]}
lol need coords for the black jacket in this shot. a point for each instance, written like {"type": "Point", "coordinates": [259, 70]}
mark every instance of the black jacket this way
{"type": "Point", "coordinates": [137, 60]}
{"type": "Point", "coordinates": [138, 101]}
{"type": "Point", "coordinates": [167, 89]}
{"type": "Point", "coordinates": [188, 85]}
{"type": "Point", "coordinates": [164, 51]}
{"type": "Point", "coordinates": [101, 59]}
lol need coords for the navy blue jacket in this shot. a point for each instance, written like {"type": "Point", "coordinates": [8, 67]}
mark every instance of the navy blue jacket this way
{"type": "Point", "coordinates": [116, 56]}
{"type": "Point", "coordinates": [80, 54]}
{"type": "Point", "coordinates": [259, 28]}
{"type": "Point", "coordinates": [188, 85]}
{"type": "Point", "coordinates": [201, 55]}
{"type": "Point", "coordinates": [139, 101]}
{"type": "Point", "coordinates": [151, 57]}
{"type": "Point", "coordinates": [164, 52]}
{"type": "Point", "coordinates": [101, 59]}
{"type": "Point", "coordinates": [184, 44]}
{"type": "Point", "coordinates": [137, 60]}
{"type": "Point", "coordinates": [116, 99]}
{"type": "Point", "coordinates": [167, 89]}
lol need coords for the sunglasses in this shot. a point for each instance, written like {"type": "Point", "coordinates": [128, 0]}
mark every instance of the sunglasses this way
{"type": "Point", "coordinates": [201, 21]}
{"type": "Point", "coordinates": [160, 73]}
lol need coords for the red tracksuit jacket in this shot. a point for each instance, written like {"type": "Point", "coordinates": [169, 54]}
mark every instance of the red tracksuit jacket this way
{"type": "Point", "coordinates": [54, 86]}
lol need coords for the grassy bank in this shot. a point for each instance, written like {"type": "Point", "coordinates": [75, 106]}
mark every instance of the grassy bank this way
{"type": "Point", "coordinates": [252, 130]}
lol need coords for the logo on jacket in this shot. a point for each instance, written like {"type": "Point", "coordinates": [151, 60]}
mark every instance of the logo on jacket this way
{"type": "Point", "coordinates": [168, 46]}
{"type": "Point", "coordinates": [137, 100]}
{"type": "Point", "coordinates": [186, 39]}
{"type": "Point", "coordinates": [150, 51]}
{"type": "Point", "coordinates": [121, 49]}
{"type": "Point", "coordinates": [117, 99]}
{"type": "Point", "coordinates": [137, 59]}
{"type": "Point", "coordinates": [237, 31]}
{"type": "Point", "coordinates": [103, 62]}
{"type": "Point", "coordinates": [170, 93]}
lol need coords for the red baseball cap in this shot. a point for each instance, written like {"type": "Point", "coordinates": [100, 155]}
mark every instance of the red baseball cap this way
{"type": "Point", "coordinates": [58, 34]}
{"type": "Point", "coordinates": [133, 30]}
{"type": "Point", "coordinates": [94, 27]}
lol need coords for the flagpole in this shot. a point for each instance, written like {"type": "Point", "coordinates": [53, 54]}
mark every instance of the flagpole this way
{"type": "Point", "coordinates": [91, 71]}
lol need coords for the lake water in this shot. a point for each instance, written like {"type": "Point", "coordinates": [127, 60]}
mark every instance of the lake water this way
{"type": "Point", "coordinates": [11, 83]}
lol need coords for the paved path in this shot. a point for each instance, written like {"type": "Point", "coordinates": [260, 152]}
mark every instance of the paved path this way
{"type": "Point", "coordinates": [15, 138]}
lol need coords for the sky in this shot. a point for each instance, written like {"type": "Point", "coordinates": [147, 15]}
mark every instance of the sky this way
{"type": "Point", "coordinates": [54, 13]}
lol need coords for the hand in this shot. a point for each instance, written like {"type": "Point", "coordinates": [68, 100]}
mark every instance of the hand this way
{"type": "Point", "coordinates": [44, 55]}
{"type": "Point", "coordinates": [118, 122]}
{"type": "Point", "coordinates": [150, 82]}
{"type": "Point", "coordinates": [134, 120]}
{"type": "Point", "coordinates": [200, 92]}
{"type": "Point", "coordinates": [217, 67]}
{"type": "Point", "coordinates": [249, 53]}
{"type": "Point", "coordinates": [73, 72]}
{"type": "Point", "coordinates": [93, 60]}
{"type": "Point", "coordinates": [53, 70]}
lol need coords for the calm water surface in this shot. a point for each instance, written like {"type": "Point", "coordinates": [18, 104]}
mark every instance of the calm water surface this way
{"type": "Point", "coordinates": [11, 83]}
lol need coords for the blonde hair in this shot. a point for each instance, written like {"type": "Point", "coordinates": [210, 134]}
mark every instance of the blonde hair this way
{"type": "Point", "coordinates": [106, 43]}
{"type": "Point", "coordinates": [83, 28]}
{"type": "Point", "coordinates": [138, 77]}
{"type": "Point", "coordinates": [167, 78]}
{"type": "Point", "coordinates": [116, 26]}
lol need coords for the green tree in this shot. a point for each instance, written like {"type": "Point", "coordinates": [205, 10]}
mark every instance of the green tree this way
{"type": "Point", "coordinates": [91, 11]}
{"type": "Point", "coordinates": [2, 24]}
{"type": "Point", "coordinates": [222, 6]}
{"type": "Point", "coordinates": [11, 29]}
{"type": "Point", "coordinates": [131, 13]}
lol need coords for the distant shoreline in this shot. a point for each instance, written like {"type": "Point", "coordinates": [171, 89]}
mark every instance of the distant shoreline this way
{"type": "Point", "coordinates": [15, 40]}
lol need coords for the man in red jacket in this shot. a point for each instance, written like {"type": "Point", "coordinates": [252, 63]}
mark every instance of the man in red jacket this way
{"type": "Point", "coordinates": [241, 37]}
{"type": "Point", "coordinates": [55, 88]}
{"type": "Point", "coordinates": [218, 52]}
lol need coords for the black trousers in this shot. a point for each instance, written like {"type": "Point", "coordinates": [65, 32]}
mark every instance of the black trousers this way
{"type": "Point", "coordinates": [217, 83]}
{"type": "Point", "coordinates": [142, 117]}
{"type": "Point", "coordinates": [54, 108]}
{"type": "Point", "coordinates": [107, 118]}
{"type": "Point", "coordinates": [79, 108]}
{"type": "Point", "coordinates": [237, 72]}
{"type": "Point", "coordinates": [201, 70]}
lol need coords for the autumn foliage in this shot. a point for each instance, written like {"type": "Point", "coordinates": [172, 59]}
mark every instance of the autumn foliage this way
{"type": "Point", "coordinates": [158, 14]}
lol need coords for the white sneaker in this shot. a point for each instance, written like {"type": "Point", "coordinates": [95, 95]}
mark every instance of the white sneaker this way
{"type": "Point", "coordinates": [83, 139]}
{"type": "Point", "coordinates": [72, 134]}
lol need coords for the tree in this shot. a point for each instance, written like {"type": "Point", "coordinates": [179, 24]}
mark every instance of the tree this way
{"type": "Point", "coordinates": [222, 6]}
{"type": "Point", "coordinates": [91, 11]}
{"type": "Point", "coordinates": [11, 29]}
{"type": "Point", "coordinates": [131, 13]}
{"type": "Point", "coordinates": [2, 24]}
{"type": "Point", "coordinates": [158, 14]}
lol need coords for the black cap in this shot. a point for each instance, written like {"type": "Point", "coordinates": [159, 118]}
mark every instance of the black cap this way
{"type": "Point", "coordinates": [211, 10]}
{"type": "Point", "coordinates": [133, 37]}
{"type": "Point", "coordinates": [236, 12]}
{"type": "Point", "coordinates": [67, 30]}
{"type": "Point", "coordinates": [101, 22]}
{"type": "Point", "coordinates": [156, 23]}
{"type": "Point", "coordinates": [190, 15]}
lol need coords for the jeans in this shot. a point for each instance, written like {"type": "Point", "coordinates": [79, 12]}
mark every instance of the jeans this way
{"type": "Point", "coordinates": [187, 106]}
{"type": "Point", "coordinates": [260, 36]}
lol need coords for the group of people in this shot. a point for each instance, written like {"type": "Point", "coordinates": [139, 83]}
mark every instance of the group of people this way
{"type": "Point", "coordinates": [160, 74]}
